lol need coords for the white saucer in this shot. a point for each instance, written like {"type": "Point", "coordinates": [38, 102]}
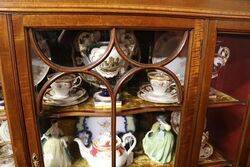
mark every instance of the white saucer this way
{"type": "Point", "coordinates": [146, 93]}
{"type": "Point", "coordinates": [79, 97]}
{"type": "Point", "coordinates": [50, 95]}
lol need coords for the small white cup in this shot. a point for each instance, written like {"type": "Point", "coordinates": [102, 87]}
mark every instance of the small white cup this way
{"type": "Point", "coordinates": [159, 82]}
{"type": "Point", "coordinates": [64, 85]}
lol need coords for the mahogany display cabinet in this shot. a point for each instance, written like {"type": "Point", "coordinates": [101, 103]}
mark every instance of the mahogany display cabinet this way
{"type": "Point", "coordinates": [79, 70]}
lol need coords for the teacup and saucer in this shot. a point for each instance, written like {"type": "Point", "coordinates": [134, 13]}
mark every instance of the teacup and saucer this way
{"type": "Point", "coordinates": [158, 89]}
{"type": "Point", "coordinates": [65, 90]}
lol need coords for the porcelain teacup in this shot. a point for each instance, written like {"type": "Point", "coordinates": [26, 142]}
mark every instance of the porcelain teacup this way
{"type": "Point", "coordinates": [62, 87]}
{"type": "Point", "coordinates": [159, 81]}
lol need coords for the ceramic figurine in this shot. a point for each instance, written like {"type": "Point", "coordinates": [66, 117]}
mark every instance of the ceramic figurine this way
{"type": "Point", "coordinates": [158, 143]}
{"type": "Point", "coordinates": [54, 146]}
{"type": "Point", "coordinates": [99, 153]}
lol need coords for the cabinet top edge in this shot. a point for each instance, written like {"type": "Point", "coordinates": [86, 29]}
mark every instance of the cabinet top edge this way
{"type": "Point", "coordinates": [191, 8]}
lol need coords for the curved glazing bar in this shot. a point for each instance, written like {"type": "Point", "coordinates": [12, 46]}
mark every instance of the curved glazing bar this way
{"type": "Point", "coordinates": [55, 77]}
{"type": "Point", "coordinates": [60, 68]}
{"type": "Point", "coordinates": [112, 90]}
{"type": "Point", "coordinates": [170, 58]}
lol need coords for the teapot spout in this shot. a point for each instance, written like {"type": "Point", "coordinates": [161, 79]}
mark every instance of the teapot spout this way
{"type": "Point", "coordinates": [83, 149]}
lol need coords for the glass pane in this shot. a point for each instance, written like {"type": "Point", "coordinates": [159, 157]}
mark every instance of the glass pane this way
{"type": "Point", "coordinates": [78, 105]}
{"type": "Point", "coordinates": [75, 141]}
{"type": "Point", "coordinates": [151, 140]}
{"type": "Point", "coordinates": [150, 47]}
{"type": "Point", "coordinates": [229, 91]}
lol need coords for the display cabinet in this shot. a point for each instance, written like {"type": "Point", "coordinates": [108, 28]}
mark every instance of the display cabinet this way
{"type": "Point", "coordinates": [88, 84]}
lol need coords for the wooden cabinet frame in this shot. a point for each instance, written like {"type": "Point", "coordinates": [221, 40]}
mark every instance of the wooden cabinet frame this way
{"type": "Point", "coordinates": [18, 81]}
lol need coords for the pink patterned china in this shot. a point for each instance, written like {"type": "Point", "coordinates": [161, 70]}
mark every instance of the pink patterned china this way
{"type": "Point", "coordinates": [64, 85]}
{"type": "Point", "coordinates": [99, 153]}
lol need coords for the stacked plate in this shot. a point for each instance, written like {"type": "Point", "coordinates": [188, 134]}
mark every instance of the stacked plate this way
{"type": "Point", "coordinates": [6, 153]}
{"type": "Point", "coordinates": [74, 98]}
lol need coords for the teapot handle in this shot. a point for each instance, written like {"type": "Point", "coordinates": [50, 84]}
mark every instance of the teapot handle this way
{"type": "Point", "coordinates": [127, 138]}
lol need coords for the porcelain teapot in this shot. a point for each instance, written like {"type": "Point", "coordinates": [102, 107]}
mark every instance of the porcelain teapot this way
{"type": "Point", "coordinates": [99, 153]}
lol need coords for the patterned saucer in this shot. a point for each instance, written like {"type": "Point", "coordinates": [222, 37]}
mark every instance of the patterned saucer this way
{"type": "Point", "coordinates": [206, 151]}
{"type": "Point", "coordinates": [146, 93]}
{"type": "Point", "coordinates": [77, 98]}
{"type": "Point", "coordinates": [50, 95]}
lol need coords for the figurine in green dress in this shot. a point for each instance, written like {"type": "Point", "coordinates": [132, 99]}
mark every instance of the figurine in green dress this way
{"type": "Point", "coordinates": [159, 141]}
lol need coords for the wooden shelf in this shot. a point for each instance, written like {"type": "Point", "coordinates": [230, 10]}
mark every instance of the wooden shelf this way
{"type": "Point", "coordinates": [139, 161]}
{"type": "Point", "coordinates": [223, 100]}
{"type": "Point", "coordinates": [216, 159]}
{"type": "Point", "coordinates": [131, 105]}
{"type": "Point", "coordinates": [143, 160]}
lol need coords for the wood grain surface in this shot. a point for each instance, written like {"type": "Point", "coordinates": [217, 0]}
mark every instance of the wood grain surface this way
{"type": "Point", "coordinates": [194, 8]}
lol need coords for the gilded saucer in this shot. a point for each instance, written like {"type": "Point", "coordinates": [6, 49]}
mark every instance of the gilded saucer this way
{"type": "Point", "coordinates": [146, 93]}
{"type": "Point", "coordinates": [78, 98]}
{"type": "Point", "coordinates": [50, 95]}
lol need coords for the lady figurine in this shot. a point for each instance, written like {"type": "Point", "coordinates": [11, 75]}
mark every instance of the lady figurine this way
{"type": "Point", "coordinates": [159, 141]}
{"type": "Point", "coordinates": [54, 147]}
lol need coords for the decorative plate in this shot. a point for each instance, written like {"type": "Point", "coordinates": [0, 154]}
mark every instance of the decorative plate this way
{"type": "Point", "coordinates": [39, 68]}
{"type": "Point", "coordinates": [90, 48]}
{"type": "Point", "coordinates": [165, 45]}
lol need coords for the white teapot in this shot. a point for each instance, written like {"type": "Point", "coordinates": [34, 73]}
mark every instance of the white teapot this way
{"type": "Point", "coordinates": [99, 153]}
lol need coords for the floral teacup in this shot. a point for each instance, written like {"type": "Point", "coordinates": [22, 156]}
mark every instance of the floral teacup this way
{"type": "Point", "coordinates": [159, 81]}
{"type": "Point", "coordinates": [64, 85]}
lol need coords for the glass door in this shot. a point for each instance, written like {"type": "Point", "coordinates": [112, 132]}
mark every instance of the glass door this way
{"type": "Point", "coordinates": [227, 111]}
{"type": "Point", "coordinates": [112, 93]}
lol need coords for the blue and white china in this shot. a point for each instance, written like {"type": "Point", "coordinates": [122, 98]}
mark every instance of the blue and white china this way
{"type": "Point", "coordinates": [90, 128]}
